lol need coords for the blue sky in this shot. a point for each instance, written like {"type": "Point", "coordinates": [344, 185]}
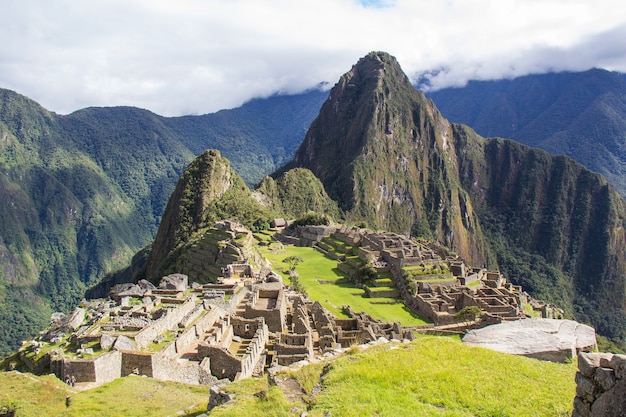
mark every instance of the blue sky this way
{"type": "Point", "coordinates": [199, 56]}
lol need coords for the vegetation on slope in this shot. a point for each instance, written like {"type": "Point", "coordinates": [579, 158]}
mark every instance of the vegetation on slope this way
{"type": "Point", "coordinates": [394, 163]}
{"type": "Point", "coordinates": [132, 396]}
{"type": "Point", "coordinates": [556, 228]}
{"type": "Point", "coordinates": [581, 115]}
{"type": "Point", "coordinates": [382, 152]}
{"type": "Point", "coordinates": [433, 376]}
{"type": "Point", "coordinates": [208, 190]}
{"type": "Point", "coordinates": [297, 192]}
{"type": "Point", "coordinates": [79, 194]}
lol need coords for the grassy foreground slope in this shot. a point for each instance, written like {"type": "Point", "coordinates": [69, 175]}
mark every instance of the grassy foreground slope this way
{"type": "Point", "coordinates": [125, 397]}
{"type": "Point", "coordinates": [432, 376]}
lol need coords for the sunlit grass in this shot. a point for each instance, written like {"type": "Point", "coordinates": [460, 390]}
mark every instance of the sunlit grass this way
{"type": "Point", "coordinates": [317, 274]}
{"type": "Point", "coordinates": [127, 397]}
{"type": "Point", "coordinates": [438, 376]}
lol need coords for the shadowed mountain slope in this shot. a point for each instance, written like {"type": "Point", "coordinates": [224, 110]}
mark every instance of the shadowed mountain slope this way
{"type": "Point", "coordinates": [581, 115]}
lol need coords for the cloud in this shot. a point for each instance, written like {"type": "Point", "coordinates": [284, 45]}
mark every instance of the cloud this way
{"type": "Point", "coordinates": [199, 56]}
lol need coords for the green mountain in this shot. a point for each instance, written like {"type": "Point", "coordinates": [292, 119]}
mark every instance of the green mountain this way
{"type": "Point", "coordinates": [580, 115]}
{"type": "Point", "coordinates": [64, 219]}
{"type": "Point", "coordinates": [384, 153]}
{"type": "Point", "coordinates": [82, 193]}
{"type": "Point", "coordinates": [296, 193]}
{"type": "Point", "coordinates": [387, 156]}
{"type": "Point", "coordinates": [208, 190]}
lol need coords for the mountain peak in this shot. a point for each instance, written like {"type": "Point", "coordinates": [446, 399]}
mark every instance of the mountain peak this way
{"type": "Point", "coordinates": [376, 65]}
{"type": "Point", "coordinates": [384, 153]}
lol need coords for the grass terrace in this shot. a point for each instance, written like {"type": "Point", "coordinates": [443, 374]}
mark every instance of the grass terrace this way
{"type": "Point", "coordinates": [325, 283]}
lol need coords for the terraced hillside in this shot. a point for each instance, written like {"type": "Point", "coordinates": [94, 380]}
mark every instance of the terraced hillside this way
{"type": "Point", "coordinates": [211, 249]}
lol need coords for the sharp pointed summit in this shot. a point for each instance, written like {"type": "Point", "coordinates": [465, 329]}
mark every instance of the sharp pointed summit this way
{"type": "Point", "coordinates": [383, 152]}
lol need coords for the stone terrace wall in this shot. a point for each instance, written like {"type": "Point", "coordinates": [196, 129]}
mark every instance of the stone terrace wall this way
{"type": "Point", "coordinates": [108, 367]}
{"type": "Point", "coordinates": [101, 370]}
{"type": "Point", "coordinates": [137, 363]}
{"type": "Point", "coordinates": [168, 369]}
{"type": "Point", "coordinates": [600, 385]}
{"type": "Point", "coordinates": [169, 321]}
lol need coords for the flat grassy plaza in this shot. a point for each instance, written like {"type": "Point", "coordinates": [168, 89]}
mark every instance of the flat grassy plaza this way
{"type": "Point", "coordinates": [325, 283]}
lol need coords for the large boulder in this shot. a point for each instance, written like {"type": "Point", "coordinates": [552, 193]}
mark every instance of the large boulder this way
{"type": "Point", "coordinates": [145, 285]}
{"type": "Point", "coordinates": [120, 291]}
{"type": "Point", "coordinates": [177, 282]}
{"type": "Point", "coordinates": [124, 343]}
{"type": "Point", "coordinates": [74, 320]}
{"type": "Point", "coordinates": [546, 339]}
{"type": "Point", "coordinates": [218, 397]}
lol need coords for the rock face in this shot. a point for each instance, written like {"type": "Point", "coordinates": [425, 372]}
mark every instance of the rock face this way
{"type": "Point", "coordinates": [386, 155]}
{"type": "Point", "coordinates": [176, 282]}
{"type": "Point", "coordinates": [546, 339]}
{"type": "Point", "coordinates": [124, 343]}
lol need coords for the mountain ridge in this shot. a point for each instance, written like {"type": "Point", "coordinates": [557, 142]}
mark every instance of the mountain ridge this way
{"type": "Point", "coordinates": [577, 114]}
{"type": "Point", "coordinates": [96, 215]}
{"type": "Point", "coordinates": [83, 192]}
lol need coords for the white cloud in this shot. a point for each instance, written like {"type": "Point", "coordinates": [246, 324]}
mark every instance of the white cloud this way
{"type": "Point", "coordinates": [198, 56]}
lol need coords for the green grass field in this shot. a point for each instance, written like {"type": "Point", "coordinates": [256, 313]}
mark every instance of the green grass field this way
{"type": "Point", "coordinates": [318, 268]}
{"type": "Point", "coordinates": [124, 397]}
{"type": "Point", "coordinates": [432, 376]}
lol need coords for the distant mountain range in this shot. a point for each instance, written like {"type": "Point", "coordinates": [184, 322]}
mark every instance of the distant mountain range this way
{"type": "Point", "coordinates": [81, 193]}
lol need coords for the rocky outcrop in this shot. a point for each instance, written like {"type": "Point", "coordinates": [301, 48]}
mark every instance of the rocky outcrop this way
{"type": "Point", "coordinates": [218, 397]}
{"type": "Point", "coordinates": [208, 190]}
{"type": "Point", "coordinates": [546, 339]}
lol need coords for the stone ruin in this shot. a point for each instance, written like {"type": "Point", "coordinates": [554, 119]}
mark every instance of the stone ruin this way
{"type": "Point", "coordinates": [452, 285]}
{"type": "Point", "coordinates": [196, 334]}
{"type": "Point", "coordinates": [249, 320]}
{"type": "Point", "coordinates": [600, 385]}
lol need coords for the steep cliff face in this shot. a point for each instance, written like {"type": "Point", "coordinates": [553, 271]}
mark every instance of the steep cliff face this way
{"type": "Point", "coordinates": [550, 211]}
{"type": "Point", "coordinates": [578, 114]}
{"type": "Point", "coordinates": [386, 155]}
{"type": "Point", "coordinates": [389, 158]}
{"type": "Point", "coordinates": [208, 190]}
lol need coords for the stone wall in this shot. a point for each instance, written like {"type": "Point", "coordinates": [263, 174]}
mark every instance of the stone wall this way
{"type": "Point", "coordinates": [108, 367]}
{"type": "Point", "coordinates": [169, 321]}
{"type": "Point", "coordinates": [600, 385]}
{"type": "Point", "coordinates": [292, 348]}
{"type": "Point", "coordinates": [137, 363]}
{"type": "Point", "coordinates": [101, 370]}
{"type": "Point", "coordinates": [222, 363]}
{"type": "Point", "coordinates": [169, 369]}
{"type": "Point", "coordinates": [374, 292]}
{"type": "Point", "coordinates": [274, 316]}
